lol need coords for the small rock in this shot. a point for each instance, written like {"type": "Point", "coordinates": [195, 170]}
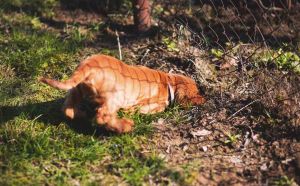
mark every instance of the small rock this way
{"type": "Point", "coordinates": [211, 138]}
{"type": "Point", "coordinates": [229, 62]}
{"type": "Point", "coordinates": [275, 144]}
{"type": "Point", "coordinates": [272, 163]}
{"type": "Point", "coordinates": [168, 149]}
{"type": "Point", "coordinates": [160, 124]}
{"type": "Point", "coordinates": [75, 182]}
{"type": "Point", "coordinates": [297, 160]}
{"type": "Point", "coordinates": [185, 148]}
{"type": "Point", "coordinates": [202, 132]}
{"type": "Point", "coordinates": [264, 167]}
{"type": "Point", "coordinates": [204, 148]}
{"type": "Point", "coordinates": [255, 138]}
{"type": "Point", "coordinates": [287, 161]}
{"type": "Point", "coordinates": [222, 115]}
{"type": "Point", "coordinates": [161, 155]}
{"type": "Point", "coordinates": [235, 160]}
{"type": "Point", "coordinates": [160, 121]}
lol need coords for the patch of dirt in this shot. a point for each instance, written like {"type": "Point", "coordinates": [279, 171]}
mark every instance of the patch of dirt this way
{"type": "Point", "coordinates": [247, 133]}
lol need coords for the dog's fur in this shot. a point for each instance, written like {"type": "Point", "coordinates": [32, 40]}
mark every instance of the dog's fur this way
{"type": "Point", "coordinates": [112, 85]}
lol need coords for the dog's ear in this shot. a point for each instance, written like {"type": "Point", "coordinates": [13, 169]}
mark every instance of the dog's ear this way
{"type": "Point", "coordinates": [197, 100]}
{"type": "Point", "coordinates": [187, 101]}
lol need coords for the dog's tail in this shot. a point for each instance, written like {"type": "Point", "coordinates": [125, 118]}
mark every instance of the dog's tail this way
{"type": "Point", "coordinates": [78, 76]}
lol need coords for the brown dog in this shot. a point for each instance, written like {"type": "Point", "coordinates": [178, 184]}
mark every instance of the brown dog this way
{"type": "Point", "coordinates": [112, 85]}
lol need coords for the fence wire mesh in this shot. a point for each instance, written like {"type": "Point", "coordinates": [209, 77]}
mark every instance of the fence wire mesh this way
{"type": "Point", "coordinates": [255, 41]}
{"type": "Point", "coordinates": [244, 54]}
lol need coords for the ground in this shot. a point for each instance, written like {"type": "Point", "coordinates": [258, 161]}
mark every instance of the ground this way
{"type": "Point", "coordinates": [246, 66]}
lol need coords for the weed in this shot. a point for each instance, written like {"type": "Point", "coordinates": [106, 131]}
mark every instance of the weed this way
{"type": "Point", "coordinates": [285, 60]}
{"type": "Point", "coordinates": [96, 27]}
{"type": "Point", "coordinates": [186, 174]}
{"type": "Point", "coordinates": [79, 33]}
{"type": "Point", "coordinates": [174, 115]}
{"type": "Point", "coordinates": [170, 44]}
{"type": "Point", "coordinates": [231, 138]}
{"type": "Point", "coordinates": [36, 23]}
{"type": "Point", "coordinates": [284, 181]}
{"type": "Point", "coordinates": [217, 53]}
{"type": "Point", "coordinates": [107, 51]}
{"type": "Point", "coordinates": [190, 171]}
{"type": "Point", "coordinates": [158, 10]}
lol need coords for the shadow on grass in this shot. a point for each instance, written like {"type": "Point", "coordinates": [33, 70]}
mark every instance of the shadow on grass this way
{"type": "Point", "coordinates": [49, 113]}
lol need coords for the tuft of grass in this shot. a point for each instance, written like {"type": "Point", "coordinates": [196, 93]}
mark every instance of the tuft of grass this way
{"type": "Point", "coordinates": [142, 123]}
{"type": "Point", "coordinates": [185, 174]}
{"type": "Point", "coordinates": [231, 138]}
{"type": "Point", "coordinates": [284, 181]}
{"type": "Point", "coordinates": [217, 53]}
{"type": "Point", "coordinates": [191, 171]}
{"type": "Point", "coordinates": [170, 44]}
{"type": "Point", "coordinates": [128, 161]}
{"type": "Point", "coordinates": [82, 33]}
{"type": "Point", "coordinates": [175, 115]}
{"type": "Point", "coordinates": [136, 170]}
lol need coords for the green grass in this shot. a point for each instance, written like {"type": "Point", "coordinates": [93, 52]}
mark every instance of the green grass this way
{"type": "Point", "coordinates": [32, 53]}
{"type": "Point", "coordinates": [36, 153]}
{"type": "Point", "coordinates": [37, 145]}
{"type": "Point", "coordinates": [284, 181]}
{"type": "Point", "coordinates": [283, 59]}
{"type": "Point", "coordinates": [37, 7]}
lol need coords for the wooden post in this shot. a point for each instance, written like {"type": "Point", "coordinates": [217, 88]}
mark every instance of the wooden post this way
{"type": "Point", "coordinates": [142, 17]}
{"type": "Point", "coordinates": [289, 4]}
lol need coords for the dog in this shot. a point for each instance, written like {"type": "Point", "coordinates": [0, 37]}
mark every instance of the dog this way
{"type": "Point", "coordinates": [112, 85]}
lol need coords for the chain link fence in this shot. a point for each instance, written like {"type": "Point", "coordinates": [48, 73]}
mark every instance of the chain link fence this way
{"type": "Point", "coordinates": [255, 46]}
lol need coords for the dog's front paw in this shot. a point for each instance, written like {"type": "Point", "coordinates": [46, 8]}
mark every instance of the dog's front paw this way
{"type": "Point", "coordinates": [69, 113]}
{"type": "Point", "coordinates": [126, 125]}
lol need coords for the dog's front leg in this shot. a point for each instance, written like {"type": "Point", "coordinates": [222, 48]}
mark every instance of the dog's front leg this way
{"type": "Point", "coordinates": [108, 117]}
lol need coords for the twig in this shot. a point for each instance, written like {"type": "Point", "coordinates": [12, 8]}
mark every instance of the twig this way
{"type": "Point", "coordinates": [119, 46]}
{"type": "Point", "coordinates": [145, 54]}
{"type": "Point", "coordinates": [242, 109]}
{"type": "Point", "coordinates": [37, 117]}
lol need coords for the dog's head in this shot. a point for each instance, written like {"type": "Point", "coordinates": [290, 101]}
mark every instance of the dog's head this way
{"type": "Point", "coordinates": [185, 90]}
